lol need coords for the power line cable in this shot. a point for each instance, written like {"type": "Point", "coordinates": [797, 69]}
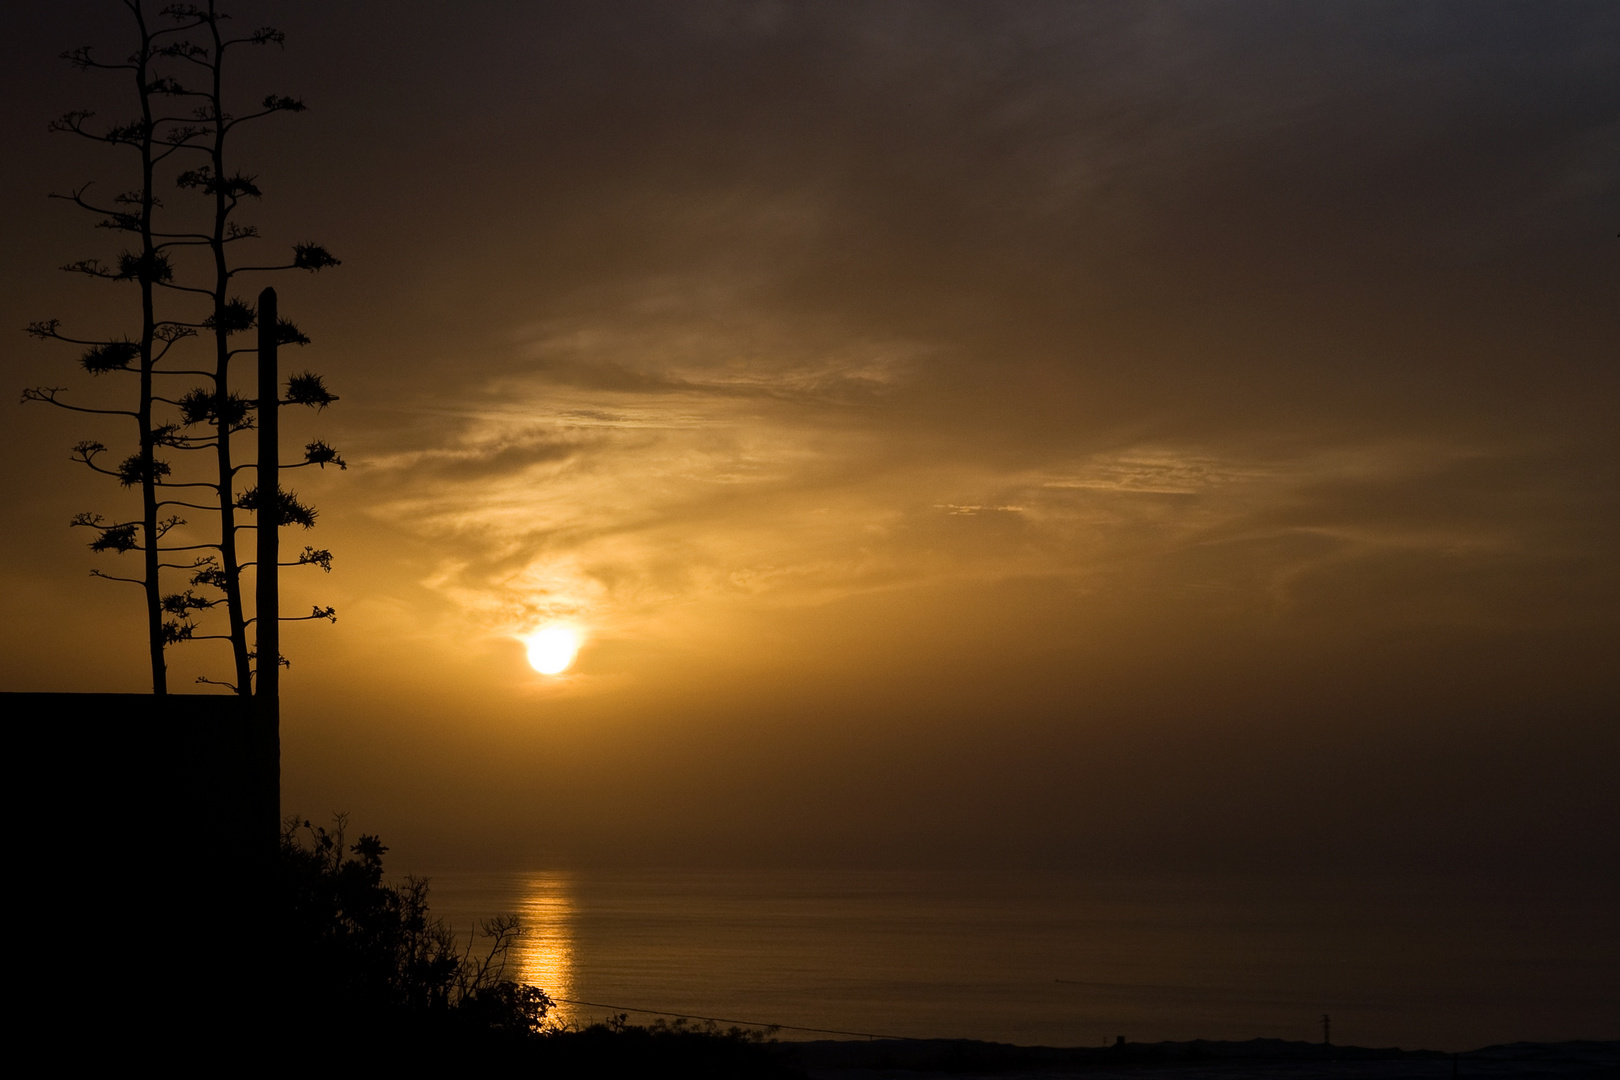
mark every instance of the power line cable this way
{"type": "Point", "coordinates": [723, 1020]}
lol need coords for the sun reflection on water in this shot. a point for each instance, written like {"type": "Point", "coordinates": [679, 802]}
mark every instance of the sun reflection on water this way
{"type": "Point", "coordinates": [546, 948]}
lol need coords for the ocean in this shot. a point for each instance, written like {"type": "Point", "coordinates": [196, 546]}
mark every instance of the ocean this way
{"type": "Point", "coordinates": [1063, 960]}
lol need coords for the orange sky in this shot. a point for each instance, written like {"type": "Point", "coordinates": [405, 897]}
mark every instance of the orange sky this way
{"type": "Point", "coordinates": [1146, 435]}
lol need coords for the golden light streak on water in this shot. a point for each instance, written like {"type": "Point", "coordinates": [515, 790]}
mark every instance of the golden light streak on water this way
{"type": "Point", "coordinates": [546, 949]}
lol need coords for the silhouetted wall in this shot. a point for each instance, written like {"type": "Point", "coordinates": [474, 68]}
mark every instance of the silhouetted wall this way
{"type": "Point", "coordinates": [140, 823]}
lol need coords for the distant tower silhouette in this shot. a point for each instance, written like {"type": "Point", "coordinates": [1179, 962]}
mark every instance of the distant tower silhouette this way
{"type": "Point", "coordinates": [1325, 1030]}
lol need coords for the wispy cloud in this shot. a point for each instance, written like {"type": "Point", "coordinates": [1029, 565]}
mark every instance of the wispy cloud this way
{"type": "Point", "coordinates": [701, 481]}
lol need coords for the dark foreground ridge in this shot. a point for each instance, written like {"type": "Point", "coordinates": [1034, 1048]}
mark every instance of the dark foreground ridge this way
{"type": "Point", "coordinates": [918, 1059]}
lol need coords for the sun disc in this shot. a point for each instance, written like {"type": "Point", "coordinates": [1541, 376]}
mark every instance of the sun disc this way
{"type": "Point", "coordinates": [552, 649]}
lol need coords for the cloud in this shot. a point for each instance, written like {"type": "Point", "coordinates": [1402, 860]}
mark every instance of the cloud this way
{"type": "Point", "coordinates": [696, 475]}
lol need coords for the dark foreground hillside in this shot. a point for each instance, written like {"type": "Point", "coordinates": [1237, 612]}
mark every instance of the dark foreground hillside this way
{"type": "Point", "coordinates": [1200, 1060]}
{"type": "Point", "coordinates": [660, 1051]}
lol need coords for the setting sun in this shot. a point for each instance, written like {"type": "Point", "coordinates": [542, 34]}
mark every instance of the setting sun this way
{"type": "Point", "coordinates": [552, 649]}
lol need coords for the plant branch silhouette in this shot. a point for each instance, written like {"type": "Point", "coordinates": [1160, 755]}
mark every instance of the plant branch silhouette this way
{"type": "Point", "coordinates": [183, 252]}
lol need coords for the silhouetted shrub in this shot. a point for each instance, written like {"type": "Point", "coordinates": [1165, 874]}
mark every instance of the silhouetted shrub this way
{"type": "Point", "coordinates": [368, 979]}
{"type": "Point", "coordinates": [351, 947]}
{"type": "Point", "coordinates": [663, 1049]}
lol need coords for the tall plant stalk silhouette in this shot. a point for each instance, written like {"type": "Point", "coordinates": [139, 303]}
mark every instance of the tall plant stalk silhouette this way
{"type": "Point", "coordinates": [226, 410]}
{"type": "Point", "coordinates": [186, 256]}
{"type": "Point", "coordinates": [154, 139]}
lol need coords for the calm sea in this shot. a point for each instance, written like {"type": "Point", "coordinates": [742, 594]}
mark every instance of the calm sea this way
{"type": "Point", "coordinates": [1063, 961]}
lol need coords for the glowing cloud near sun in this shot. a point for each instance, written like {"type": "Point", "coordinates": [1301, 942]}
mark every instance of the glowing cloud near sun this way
{"type": "Point", "coordinates": [552, 648]}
